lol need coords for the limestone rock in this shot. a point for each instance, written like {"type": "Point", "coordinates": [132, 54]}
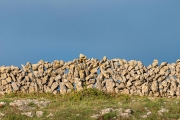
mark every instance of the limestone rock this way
{"type": "Point", "coordinates": [145, 88]}
{"type": "Point", "coordinates": [82, 74]}
{"type": "Point", "coordinates": [99, 80]}
{"type": "Point", "coordinates": [29, 114]}
{"type": "Point", "coordinates": [82, 56]}
{"type": "Point", "coordinates": [31, 89]}
{"type": "Point", "coordinates": [124, 115]}
{"type": "Point", "coordinates": [14, 86]}
{"type": "Point", "coordinates": [9, 79]}
{"type": "Point", "coordinates": [35, 67]}
{"type": "Point", "coordinates": [154, 86]}
{"type": "Point", "coordinates": [3, 103]}
{"type": "Point", "coordinates": [78, 84]}
{"type": "Point", "coordinates": [125, 91]}
{"type": "Point", "coordinates": [4, 82]}
{"type": "Point", "coordinates": [50, 115]}
{"type": "Point", "coordinates": [104, 59]}
{"type": "Point", "coordinates": [2, 114]}
{"type": "Point", "coordinates": [95, 116]}
{"type": "Point", "coordinates": [160, 112]}
{"type": "Point", "coordinates": [39, 114]}
{"type": "Point", "coordinates": [63, 89]}
{"type": "Point", "coordinates": [41, 70]}
{"type": "Point", "coordinates": [128, 111]}
{"type": "Point", "coordinates": [110, 86]}
{"type": "Point", "coordinates": [104, 73]}
{"type": "Point", "coordinates": [45, 79]}
{"type": "Point", "coordinates": [106, 110]}
{"type": "Point", "coordinates": [54, 86]}
{"type": "Point", "coordinates": [155, 63]}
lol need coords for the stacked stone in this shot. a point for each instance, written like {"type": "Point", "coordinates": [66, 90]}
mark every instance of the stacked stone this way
{"type": "Point", "coordinates": [110, 76]}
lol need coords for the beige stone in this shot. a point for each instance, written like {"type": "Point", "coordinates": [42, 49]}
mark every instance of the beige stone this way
{"type": "Point", "coordinates": [8, 89]}
{"type": "Point", "coordinates": [14, 86]}
{"type": "Point", "coordinates": [110, 86]}
{"type": "Point", "coordinates": [129, 83]}
{"type": "Point", "coordinates": [116, 90]}
{"type": "Point", "coordinates": [104, 59]}
{"type": "Point", "coordinates": [145, 88]}
{"type": "Point", "coordinates": [13, 77]}
{"type": "Point", "coordinates": [99, 80]}
{"type": "Point", "coordinates": [104, 73]}
{"type": "Point", "coordinates": [78, 84]}
{"type": "Point", "coordinates": [39, 114]}
{"type": "Point", "coordinates": [57, 78]}
{"type": "Point", "coordinates": [125, 91]}
{"type": "Point", "coordinates": [82, 74]}
{"type": "Point", "coordinates": [137, 83]}
{"type": "Point", "coordinates": [51, 80]}
{"type": "Point", "coordinates": [155, 63]}
{"type": "Point", "coordinates": [41, 70]}
{"type": "Point", "coordinates": [9, 79]}
{"type": "Point", "coordinates": [4, 82]}
{"type": "Point", "coordinates": [154, 86]}
{"type": "Point", "coordinates": [63, 89]}
{"type": "Point", "coordinates": [54, 86]}
{"type": "Point", "coordinates": [31, 89]}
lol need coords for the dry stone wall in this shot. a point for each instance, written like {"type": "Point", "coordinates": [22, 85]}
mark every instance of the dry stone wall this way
{"type": "Point", "coordinates": [110, 76]}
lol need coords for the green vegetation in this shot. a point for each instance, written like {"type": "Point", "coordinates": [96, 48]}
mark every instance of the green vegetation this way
{"type": "Point", "coordinates": [84, 104]}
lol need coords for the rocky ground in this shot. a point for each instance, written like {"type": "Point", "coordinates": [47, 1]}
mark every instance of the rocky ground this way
{"type": "Point", "coordinates": [89, 105]}
{"type": "Point", "coordinates": [28, 107]}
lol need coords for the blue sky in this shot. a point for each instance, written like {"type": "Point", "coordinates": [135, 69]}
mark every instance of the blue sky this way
{"type": "Point", "coordinates": [62, 29]}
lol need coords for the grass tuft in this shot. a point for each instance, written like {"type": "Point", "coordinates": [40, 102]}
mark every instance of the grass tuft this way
{"type": "Point", "coordinates": [83, 104]}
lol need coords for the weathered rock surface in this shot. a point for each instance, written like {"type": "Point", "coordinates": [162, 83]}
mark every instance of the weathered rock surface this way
{"type": "Point", "coordinates": [39, 114]}
{"type": "Point", "coordinates": [29, 114]}
{"type": "Point", "coordinates": [110, 76]}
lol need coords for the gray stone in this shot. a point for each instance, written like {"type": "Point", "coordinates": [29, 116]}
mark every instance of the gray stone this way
{"type": "Point", "coordinates": [82, 56]}
{"type": "Point", "coordinates": [31, 89]}
{"type": "Point", "coordinates": [3, 103]}
{"type": "Point", "coordinates": [104, 73]}
{"type": "Point", "coordinates": [154, 86]}
{"type": "Point", "coordinates": [57, 78]}
{"type": "Point", "coordinates": [78, 84]}
{"type": "Point", "coordinates": [63, 89]}
{"type": "Point", "coordinates": [35, 67]}
{"type": "Point", "coordinates": [50, 115]}
{"type": "Point", "coordinates": [45, 79]}
{"type": "Point", "coordinates": [14, 86]}
{"type": "Point", "coordinates": [95, 116]}
{"type": "Point", "coordinates": [41, 70]}
{"type": "Point", "coordinates": [29, 114]}
{"type": "Point", "coordinates": [144, 116]}
{"type": "Point", "coordinates": [110, 86]}
{"type": "Point", "coordinates": [2, 114]}
{"type": "Point", "coordinates": [128, 111]}
{"type": "Point", "coordinates": [4, 82]}
{"type": "Point", "coordinates": [160, 112]}
{"type": "Point", "coordinates": [155, 63]}
{"type": "Point", "coordinates": [145, 88]}
{"type": "Point", "coordinates": [149, 113]}
{"type": "Point", "coordinates": [106, 110]}
{"type": "Point", "coordinates": [125, 91]}
{"type": "Point", "coordinates": [39, 114]}
{"type": "Point", "coordinates": [124, 115]}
